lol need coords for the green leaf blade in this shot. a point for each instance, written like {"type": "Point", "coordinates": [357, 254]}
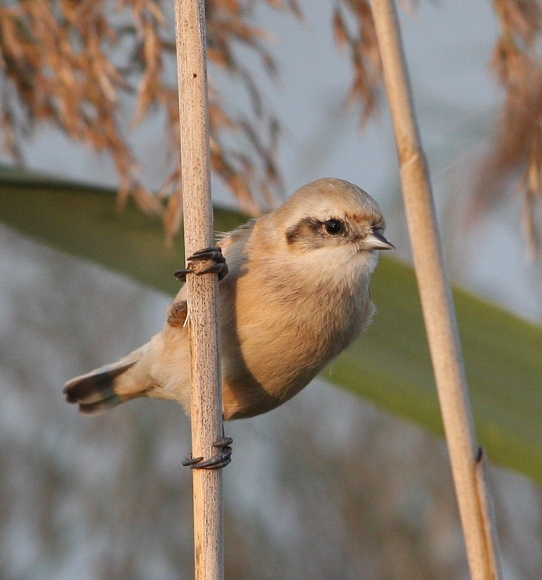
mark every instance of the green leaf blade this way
{"type": "Point", "coordinates": [389, 364]}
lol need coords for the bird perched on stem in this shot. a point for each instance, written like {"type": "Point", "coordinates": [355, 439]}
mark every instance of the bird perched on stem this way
{"type": "Point", "coordinates": [295, 296]}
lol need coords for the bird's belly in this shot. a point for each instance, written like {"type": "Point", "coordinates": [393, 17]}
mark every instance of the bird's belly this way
{"type": "Point", "coordinates": [264, 368]}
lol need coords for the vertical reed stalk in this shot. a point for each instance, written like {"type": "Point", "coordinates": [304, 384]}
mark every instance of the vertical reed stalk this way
{"type": "Point", "coordinates": [202, 290]}
{"type": "Point", "coordinates": [467, 460]}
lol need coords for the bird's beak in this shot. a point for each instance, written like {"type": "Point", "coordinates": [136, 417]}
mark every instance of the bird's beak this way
{"type": "Point", "coordinates": [376, 241]}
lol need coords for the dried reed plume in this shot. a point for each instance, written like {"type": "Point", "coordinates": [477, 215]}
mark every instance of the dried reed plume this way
{"type": "Point", "coordinates": [80, 64]}
{"type": "Point", "coordinates": [362, 46]}
{"type": "Point", "coordinates": [77, 63]}
{"type": "Point", "coordinates": [516, 65]}
{"type": "Point", "coordinates": [518, 143]}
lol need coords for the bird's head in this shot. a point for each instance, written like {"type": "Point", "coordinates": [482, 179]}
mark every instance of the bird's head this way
{"type": "Point", "coordinates": [329, 224]}
{"type": "Point", "coordinates": [331, 213]}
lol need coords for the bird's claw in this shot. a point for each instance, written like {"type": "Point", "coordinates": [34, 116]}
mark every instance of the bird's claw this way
{"type": "Point", "coordinates": [218, 461]}
{"type": "Point", "coordinates": [214, 253]}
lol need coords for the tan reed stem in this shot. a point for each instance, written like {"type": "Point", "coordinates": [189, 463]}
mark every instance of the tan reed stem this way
{"type": "Point", "coordinates": [467, 459]}
{"type": "Point", "coordinates": [202, 290]}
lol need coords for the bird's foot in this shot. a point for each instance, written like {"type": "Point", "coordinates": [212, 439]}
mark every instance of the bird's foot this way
{"type": "Point", "coordinates": [218, 461]}
{"type": "Point", "coordinates": [219, 265]}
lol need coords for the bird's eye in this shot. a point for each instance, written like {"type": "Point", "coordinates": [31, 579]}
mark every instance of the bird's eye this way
{"type": "Point", "coordinates": [334, 227]}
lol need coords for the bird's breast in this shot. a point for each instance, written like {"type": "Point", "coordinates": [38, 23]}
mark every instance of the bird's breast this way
{"type": "Point", "coordinates": [277, 339]}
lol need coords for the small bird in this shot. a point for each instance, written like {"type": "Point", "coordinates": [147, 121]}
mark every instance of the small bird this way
{"type": "Point", "coordinates": [295, 296]}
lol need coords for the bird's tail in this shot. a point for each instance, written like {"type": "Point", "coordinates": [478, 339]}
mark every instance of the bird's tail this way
{"type": "Point", "coordinates": [106, 387]}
